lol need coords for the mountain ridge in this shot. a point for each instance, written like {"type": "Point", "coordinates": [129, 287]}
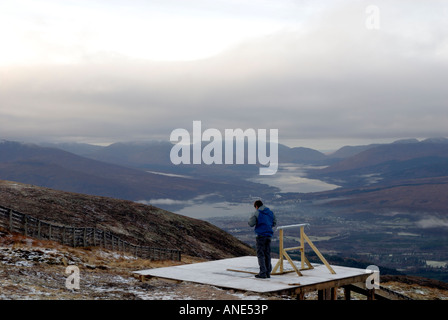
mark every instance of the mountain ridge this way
{"type": "Point", "coordinates": [387, 152]}
{"type": "Point", "coordinates": [59, 169]}
{"type": "Point", "coordinates": [388, 164]}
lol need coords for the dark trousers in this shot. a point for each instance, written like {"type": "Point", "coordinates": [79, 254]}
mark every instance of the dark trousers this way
{"type": "Point", "coordinates": [264, 255]}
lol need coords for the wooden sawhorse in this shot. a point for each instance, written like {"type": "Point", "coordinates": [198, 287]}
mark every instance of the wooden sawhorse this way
{"type": "Point", "coordinates": [283, 252]}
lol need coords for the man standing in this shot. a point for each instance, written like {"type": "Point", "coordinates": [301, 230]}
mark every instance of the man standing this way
{"type": "Point", "coordinates": [264, 220]}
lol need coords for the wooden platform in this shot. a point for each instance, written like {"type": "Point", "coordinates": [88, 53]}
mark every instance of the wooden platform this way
{"type": "Point", "coordinates": [238, 274]}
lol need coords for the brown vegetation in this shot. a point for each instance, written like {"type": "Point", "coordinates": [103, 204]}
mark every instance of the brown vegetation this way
{"type": "Point", "coordinates": [132, 221]}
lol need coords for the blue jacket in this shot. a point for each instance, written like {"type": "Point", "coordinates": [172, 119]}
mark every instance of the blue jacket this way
{"type": "Point", "coordinates": [264, 220]}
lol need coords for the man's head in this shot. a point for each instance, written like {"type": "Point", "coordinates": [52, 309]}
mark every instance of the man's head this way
{"type": "Point", "coordinates": [258, 204]}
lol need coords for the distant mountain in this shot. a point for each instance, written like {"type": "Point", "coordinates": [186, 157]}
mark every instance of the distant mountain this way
{"type": "Point", "coordinates": [55, 168]}
{"type": "Point", "coordinates": [349, 151]}
{"type": "Point", "coordinates": [391, 152]}
{"type": "Point", "coordinates": [130, 154]}
{"type": "Point", "coordinates": [350, 166]}
{"type": "Point", "coordinates": [155, 155]}
{"type": "Point", "coordinates": [436, 140]}
{"type": "Point", "coordinates": [80, 149]}
{"type": "Point", "coordinates": [388, 163]}
{"type": "Point", "coordinates": [137, 223]}
{"type": "Point", "coordinates": [301, 155]}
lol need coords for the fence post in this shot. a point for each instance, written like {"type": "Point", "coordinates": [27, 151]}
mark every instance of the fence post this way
{"type": "Point", "coordinates": [145, 252]}
{"type": "Point", "coordinates": [10, 220]}
{"type": "Point", "coordinates": [26, 226]}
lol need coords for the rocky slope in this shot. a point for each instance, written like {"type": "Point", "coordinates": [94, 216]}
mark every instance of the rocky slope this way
{"type": "Point", "coordinates": [36, 270]}
{"type": "Point", "coordinates": [144, 224]}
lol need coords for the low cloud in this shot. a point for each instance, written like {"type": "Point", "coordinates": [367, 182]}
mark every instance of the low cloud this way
{"type": "Point", "coordinates": [433, 222]}
{"type": "Point", "coordinates": [331, 78]}
{"type": "Point", "coordinates": [166, 201]}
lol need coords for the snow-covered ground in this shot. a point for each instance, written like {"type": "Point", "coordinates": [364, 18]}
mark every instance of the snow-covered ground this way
{"type": "Point", "coordinates": [35, 270]}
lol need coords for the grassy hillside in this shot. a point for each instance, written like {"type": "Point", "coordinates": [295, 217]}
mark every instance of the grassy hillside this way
{"type": "Point", "coordinates": [137, 222]}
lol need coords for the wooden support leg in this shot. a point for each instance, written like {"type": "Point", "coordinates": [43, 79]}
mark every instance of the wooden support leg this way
{"type": "Point", "coordinates": [347, 293]}
{"type": "Point", "coordinates": [292, 264]}
{"type": "Point", "coordinates": [280, 261]}
{"type": "Point", "coordinates": [302, 249]}
{"type": "Point", "coordinates": [334, 293]}
{"type": "Point", "coordinates": [370, 294]}
{"type": "Point", "coordinates": [301, 296]}
{"type": "Point", "coordinates": [284, 255]}
{"type": "Point", "coordinates": [321, 257]}
{"type": "Point", "coordinates": [327, 294]}
{"type": "Point", "coordinates": [281, 250]}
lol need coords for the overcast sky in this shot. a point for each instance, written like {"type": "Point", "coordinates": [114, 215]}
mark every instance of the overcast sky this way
{"type": "Point", "coordinates": [324, 73]}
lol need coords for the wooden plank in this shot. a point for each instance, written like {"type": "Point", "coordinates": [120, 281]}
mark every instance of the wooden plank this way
{"type": "Point", "coordinates": [281, 250]}
{"type": "Point", "coordinates": [243, 271]}
{"type": "Point", "coordinates": [332, 283]}
{"type": "Point", "coordinates": [321, 257]}
{"type": "Point", "coordinates": [307, 263]}
{"type": "Point", "coordinates": [292, 248]}
{"type": "Point", "coordinates": [279, 263]}
{"type": "Point", "coordinates": [302, 248]}
{"type": "Point", "coordinates": [292, 264]}
{"type": "Point", "coordinates": [301, 225]}
{"type": "Point", "coordinates": [378, 294]}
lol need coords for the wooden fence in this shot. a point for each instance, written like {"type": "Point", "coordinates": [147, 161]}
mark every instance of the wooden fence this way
{"type": "Point", "coordinates": [15, 221]}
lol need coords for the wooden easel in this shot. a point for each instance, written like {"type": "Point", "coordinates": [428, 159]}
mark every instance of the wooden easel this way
{"type": "Point", "coordinates": [283, 252]}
